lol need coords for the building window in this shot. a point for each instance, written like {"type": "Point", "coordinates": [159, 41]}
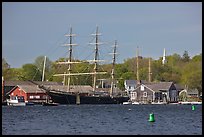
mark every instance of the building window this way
{"type": "Point", "coordinates": [37, 97]}
{"type": "Point", "coordinates": [142, 88]}
{"type": "Point", "coordinates": [31, 97]}
{"type": "Point", "coordinates": [133, 95]}
{"type": "Point", "coordinates": [145, 94]}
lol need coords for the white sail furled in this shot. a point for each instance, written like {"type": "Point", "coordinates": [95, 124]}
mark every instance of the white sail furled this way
{"type": "Point", "coordinates": [75, 74]}
{"type": "Point", "coordinates": [68, 62]}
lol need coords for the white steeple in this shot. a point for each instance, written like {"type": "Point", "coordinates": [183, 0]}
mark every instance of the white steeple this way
{"type": "Point", "coordinates": [164, 57]}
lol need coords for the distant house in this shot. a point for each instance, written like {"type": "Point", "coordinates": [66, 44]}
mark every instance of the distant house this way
{"type": "Point", "coordinates": [155, 92]}
{"type": "Point", "coordinates": [27, 89]}
{"type": "Point", "coordinates": [9, 85]}
{"type": "Point", "coordinates": [189, 95]}
{"type": "Point", "coordinates": [193, 93]}
{"type": "Point", "coordinates": [31, 93]}
{"type": "Point", "coordinates": [131, 85]}
{"type": "Point", "coordinates": [179, 88]}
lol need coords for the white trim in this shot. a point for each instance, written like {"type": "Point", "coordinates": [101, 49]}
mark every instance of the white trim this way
{"type": "Point", "coordinates": [146, 87]}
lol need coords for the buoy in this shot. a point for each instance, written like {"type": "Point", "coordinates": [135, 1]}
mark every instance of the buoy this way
{"type": "Point", "coordinates": [193, 107]}
{"type": "Point", "coordinates": [151, 117]}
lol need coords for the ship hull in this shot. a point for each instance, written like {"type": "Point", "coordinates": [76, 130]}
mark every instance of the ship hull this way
{"type": "Point", "coordinates": [66, 98]}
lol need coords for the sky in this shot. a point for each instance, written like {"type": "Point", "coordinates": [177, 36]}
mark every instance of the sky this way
{"type": "Point", "coordinates": [32, 29]}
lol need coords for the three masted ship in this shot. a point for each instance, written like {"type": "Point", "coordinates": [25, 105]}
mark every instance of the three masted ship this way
{"type": "Point", "coordinates": [93, 97]}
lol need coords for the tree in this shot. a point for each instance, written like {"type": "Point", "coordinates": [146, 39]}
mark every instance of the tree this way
{"type": "Point", "coordinates": [185, 57]}
{"type": "Point", "coordinates": [31, 72]}
{"type": "Point", "coordinates": [15, 74]}
{"type": "Point", "coordinates": [5, 69]}
{"type": "Point", "coordinates": [5, 65]}
{"type": "Point", "coordinates": [192, 75]}
{"type": "Point", "coordinates": [39, 63]}
{"type": "Point", "coordinates": [197, 58]}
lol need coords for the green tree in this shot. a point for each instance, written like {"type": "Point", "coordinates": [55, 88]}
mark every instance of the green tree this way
{"type": "Point", "coordinates": [197, 58]}
{"type": "Point", "coordinates": [39, 63]}
{"type": "Point", "coordinates": [185, 57]}
{"type": "Point", "coordinates": [192, 75]}
{"type": "Point", "coordinates": [15, 74]}
{"type": "Point", "coordinates": [31, 72]}
{"type": "Point", "coordinates": [5, 69]}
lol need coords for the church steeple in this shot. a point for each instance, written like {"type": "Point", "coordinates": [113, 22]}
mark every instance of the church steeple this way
{"type": "Point", "coordinates": [164, 57]}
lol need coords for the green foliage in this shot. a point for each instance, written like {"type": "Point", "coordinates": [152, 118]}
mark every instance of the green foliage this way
{"type": "Point", "coordinates": [180, 70]}
{"type": "Point", "coordinates": [197, 58]}
{"type": "Point", "coordinates": [31, 72]}
{"type": "Point", "coordinates": [39, 63]}
{"type": "Point", "coordinates": [5, 69]}
{"type": "Point", "coordinates": [192, 75]}
{"type": "Point", "coordinates": [185, 57]}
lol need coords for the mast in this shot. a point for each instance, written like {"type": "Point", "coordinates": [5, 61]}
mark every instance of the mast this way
{"type": "Point", "coordinates": [69, 61]}
{"type": "Point", "coordinates": [43, 75]}
{"type": "Point", "coordinates": [150, 70]}
{"type": "Point", "coordinates": [95, 58]}
{"type": "Point", "coordinates": [138, 79]}
{"type": "Point", "coordinates": [113, 68]}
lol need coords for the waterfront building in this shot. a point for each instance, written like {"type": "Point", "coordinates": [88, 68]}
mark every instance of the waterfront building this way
{"type": "Point", "coordinates": [148, 92]}
{"type": "Point", "coordinates": [27, 89]}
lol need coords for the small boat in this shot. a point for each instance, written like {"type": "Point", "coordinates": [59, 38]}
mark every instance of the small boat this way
{"type": "Point", "coordinates": [135, 103]}
{"type": "Point", "coordinates": [158, 103]}
{"type": "Point", "coordinates": [16, 101]}
{"type": "Point", "coordinates": [131, 103]}
{"type": "Point", "coordinates": [127, 103]}
{"type": "Point", "coordinates": [174, 103]}
{"type": "Point", "coordinates": [190, 103]}
{"type": "Point", "coordinates": [196, 103]}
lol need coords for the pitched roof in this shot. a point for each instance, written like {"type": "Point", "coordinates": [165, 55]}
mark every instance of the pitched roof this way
{"type": "Point", "coordinates": [179, 87]}
{"type": "Point", "coordinates": [31, 89]}
{"type": "Point", "coordinates": [157, 86]}
{"type": "Point", "coordinates": [192, 91]}
{"type": "Point", "coordinates": [134, 82]}
{"type": "Point", "coordinates": [17, 82]}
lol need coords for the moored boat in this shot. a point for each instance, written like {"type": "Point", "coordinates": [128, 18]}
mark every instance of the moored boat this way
{"type": "Point", "coordinates": [190, 103]}
{"type": "Point", "coordinates": [68, 97]}
{"type": "Point", "coordinates": [16, 101]}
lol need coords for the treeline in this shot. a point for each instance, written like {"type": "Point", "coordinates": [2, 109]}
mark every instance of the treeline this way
{"type": "Point", "coordinates": [182, 70]}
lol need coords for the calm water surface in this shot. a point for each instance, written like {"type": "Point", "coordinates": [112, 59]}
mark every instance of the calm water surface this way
{"type": "Point", "coordinates": [102, 120]}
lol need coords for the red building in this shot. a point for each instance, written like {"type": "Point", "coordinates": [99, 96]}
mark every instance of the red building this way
{"type": "Point", "coordinates": [31, 93]}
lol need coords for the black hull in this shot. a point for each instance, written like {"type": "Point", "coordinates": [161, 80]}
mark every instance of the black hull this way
{"type": "Point", "coordinates": [50, 104]}
{"type": "Point", "coordinates": [66, 98]}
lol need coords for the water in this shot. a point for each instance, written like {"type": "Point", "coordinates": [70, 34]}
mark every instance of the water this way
{"type": "Point", "coordinates": [102, 120]}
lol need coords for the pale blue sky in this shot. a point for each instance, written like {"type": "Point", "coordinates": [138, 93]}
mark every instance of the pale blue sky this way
{"type": "Point", "coordinates": [33, 29]}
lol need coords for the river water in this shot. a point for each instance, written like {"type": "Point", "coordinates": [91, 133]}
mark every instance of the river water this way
{"type": "Point", "coordinates": [102, 120]}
